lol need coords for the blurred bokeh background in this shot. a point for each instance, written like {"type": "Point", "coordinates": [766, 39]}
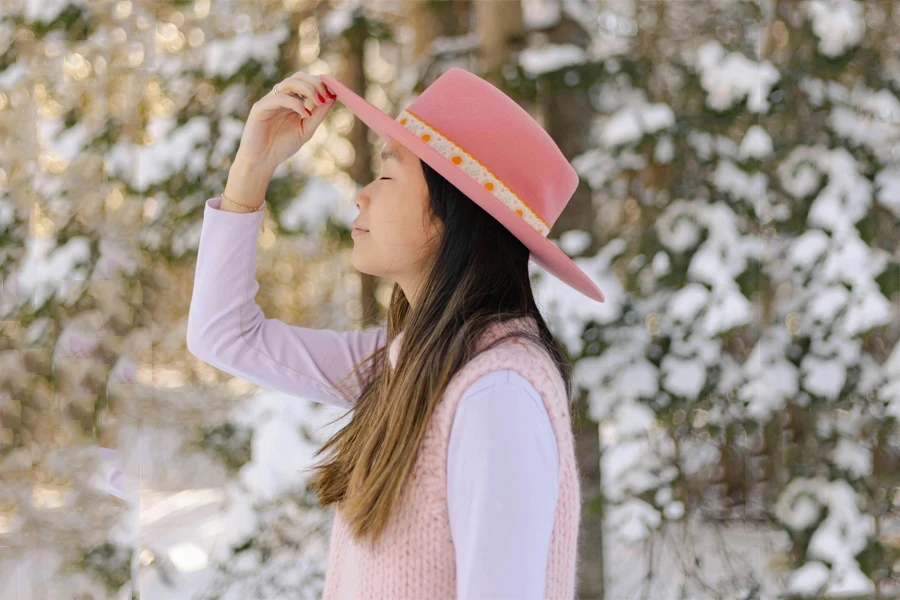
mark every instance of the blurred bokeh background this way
{"type": "Point", "coordinates": [738, 392]}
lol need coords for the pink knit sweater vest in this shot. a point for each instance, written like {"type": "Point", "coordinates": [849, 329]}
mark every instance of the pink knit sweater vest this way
{"type": "Point", "coordinates": [415, 558]}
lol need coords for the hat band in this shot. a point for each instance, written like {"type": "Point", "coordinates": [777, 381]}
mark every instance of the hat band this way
{"type": "Point", "coordinates": [473, 168]}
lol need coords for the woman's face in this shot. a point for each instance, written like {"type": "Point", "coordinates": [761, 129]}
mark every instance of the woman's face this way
{"type": "Point", "coordinates": [401, 238]}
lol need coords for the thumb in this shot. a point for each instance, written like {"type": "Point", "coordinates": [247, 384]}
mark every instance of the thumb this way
{"type": "Point", "coordinates": [319, 111]}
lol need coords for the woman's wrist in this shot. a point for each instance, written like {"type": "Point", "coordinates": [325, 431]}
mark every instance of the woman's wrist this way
{"type": "Point", "coordinates": [247, 184]}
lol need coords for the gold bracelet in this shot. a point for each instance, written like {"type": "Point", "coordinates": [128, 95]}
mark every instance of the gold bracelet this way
{"type": "Point", "coordinates": [250, 208]}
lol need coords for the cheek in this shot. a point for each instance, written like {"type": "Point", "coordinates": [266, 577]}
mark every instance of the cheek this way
{"type": "Point", "coordinates": [398, 222]}
{"type": "Point", "coordinates": [411, 235]}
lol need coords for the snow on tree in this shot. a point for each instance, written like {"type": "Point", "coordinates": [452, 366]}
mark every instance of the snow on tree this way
{"type": "Point", "coordinates": [746, 357]}
{"type": "Point", "coordinates": [740, 205]}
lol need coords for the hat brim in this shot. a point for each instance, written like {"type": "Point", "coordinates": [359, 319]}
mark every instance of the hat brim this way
{"type": "Point", "coordinates": [544, 252]}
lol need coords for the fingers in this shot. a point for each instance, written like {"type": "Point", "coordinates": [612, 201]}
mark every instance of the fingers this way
{"type": "Point", "coordinates": [293, 92]}
{"type": "Point", "coordinates": [289, 102]}
{"type": "Point", "coordinates": [314, 83]}
{"type": "Point", "coordinates": [299, 88]}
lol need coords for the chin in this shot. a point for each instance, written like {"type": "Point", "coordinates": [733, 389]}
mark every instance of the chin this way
{"type": "Point", "coordinates": [360, 265]}
{"type": "Point", "coordinates": [369, 269]}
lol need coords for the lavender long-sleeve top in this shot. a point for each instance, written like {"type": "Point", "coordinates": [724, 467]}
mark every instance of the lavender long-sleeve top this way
{"type": "Point", "coordinates": [502, 465]}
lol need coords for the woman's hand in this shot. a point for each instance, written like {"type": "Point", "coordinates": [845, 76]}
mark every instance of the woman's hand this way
{"type": "Point", "coordinates": [279, 124]}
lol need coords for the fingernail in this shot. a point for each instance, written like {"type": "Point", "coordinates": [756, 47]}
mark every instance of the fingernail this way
{"type": "Point", "coordinates": [309, 112]}
{"type": "Point", "coordinates": [319, 96]}
{"type": "Point", "coordinates": [332, 94]}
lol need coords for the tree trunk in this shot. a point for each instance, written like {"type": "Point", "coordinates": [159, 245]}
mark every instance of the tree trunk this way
{"type": "Point", "coordinates": [500, 31]}
{"type": "Point", "coordinates": [590, 571]}
{"type": "Point", "coordinates": [354, 77]}
{"type": "Point", "coordinates": [425, 24]}
{"type": "Point", "coordinates": [566, 114]}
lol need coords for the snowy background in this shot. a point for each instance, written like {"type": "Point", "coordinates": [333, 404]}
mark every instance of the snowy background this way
{"type": "Point", "coordinates": [740, 209]}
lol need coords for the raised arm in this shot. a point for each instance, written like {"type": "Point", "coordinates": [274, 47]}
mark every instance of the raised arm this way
{"type": "Point", "coordinates": [227, 329]}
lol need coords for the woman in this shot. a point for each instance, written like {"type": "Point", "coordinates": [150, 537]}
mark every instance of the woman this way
{"type": "Point", "coordinates": [456, 476]}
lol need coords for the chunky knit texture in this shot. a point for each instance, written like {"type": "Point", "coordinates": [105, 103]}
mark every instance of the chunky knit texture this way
{"type": "Point", "coordinates": [415, 559]}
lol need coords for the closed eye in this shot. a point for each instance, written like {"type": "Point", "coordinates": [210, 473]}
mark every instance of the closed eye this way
{"type": "Point", "coordinates": [385, 178]}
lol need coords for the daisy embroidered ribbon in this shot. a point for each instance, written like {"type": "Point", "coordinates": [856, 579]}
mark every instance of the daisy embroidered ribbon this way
{"type": "Point", "coordinates": [473, 168]}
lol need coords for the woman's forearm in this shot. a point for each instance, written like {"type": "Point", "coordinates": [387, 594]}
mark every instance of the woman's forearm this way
{"type": "Point", "coordinates": [247, 184]}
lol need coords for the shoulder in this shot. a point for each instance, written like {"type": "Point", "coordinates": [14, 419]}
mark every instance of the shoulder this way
{"type": "Point", "coordinates": [518, 354]}
{"type": "Point", "coordinates": [503, 395]}
{"type": "Point", "coordinates": [501, 383]}
{"type": "Point", "coordinates": [501, 420]}
{"type": "Point", "coordinates": [516, 361]}
{"type": "Point", "coordinates": [513, 371]}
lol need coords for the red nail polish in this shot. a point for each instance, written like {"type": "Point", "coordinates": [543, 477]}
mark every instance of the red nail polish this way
{"type": "Point", "coordinates": [319, 96]}
{"type": "Point", "coordinates": [307, 110]}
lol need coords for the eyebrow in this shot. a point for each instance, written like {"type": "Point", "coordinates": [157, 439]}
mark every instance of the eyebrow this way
{"type": "Point", "coordinates": [386, 154]}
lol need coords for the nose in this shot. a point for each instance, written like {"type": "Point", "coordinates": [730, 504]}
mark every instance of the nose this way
{"type": "Point", "coordinates": [361, 198]}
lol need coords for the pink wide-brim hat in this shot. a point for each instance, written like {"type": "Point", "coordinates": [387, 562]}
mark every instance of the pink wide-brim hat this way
{"type": "Point", "coordinates": [490, 148]}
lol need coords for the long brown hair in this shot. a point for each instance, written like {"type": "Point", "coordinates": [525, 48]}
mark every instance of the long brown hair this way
{"type": "Point", "coordinates": [478, 277]}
